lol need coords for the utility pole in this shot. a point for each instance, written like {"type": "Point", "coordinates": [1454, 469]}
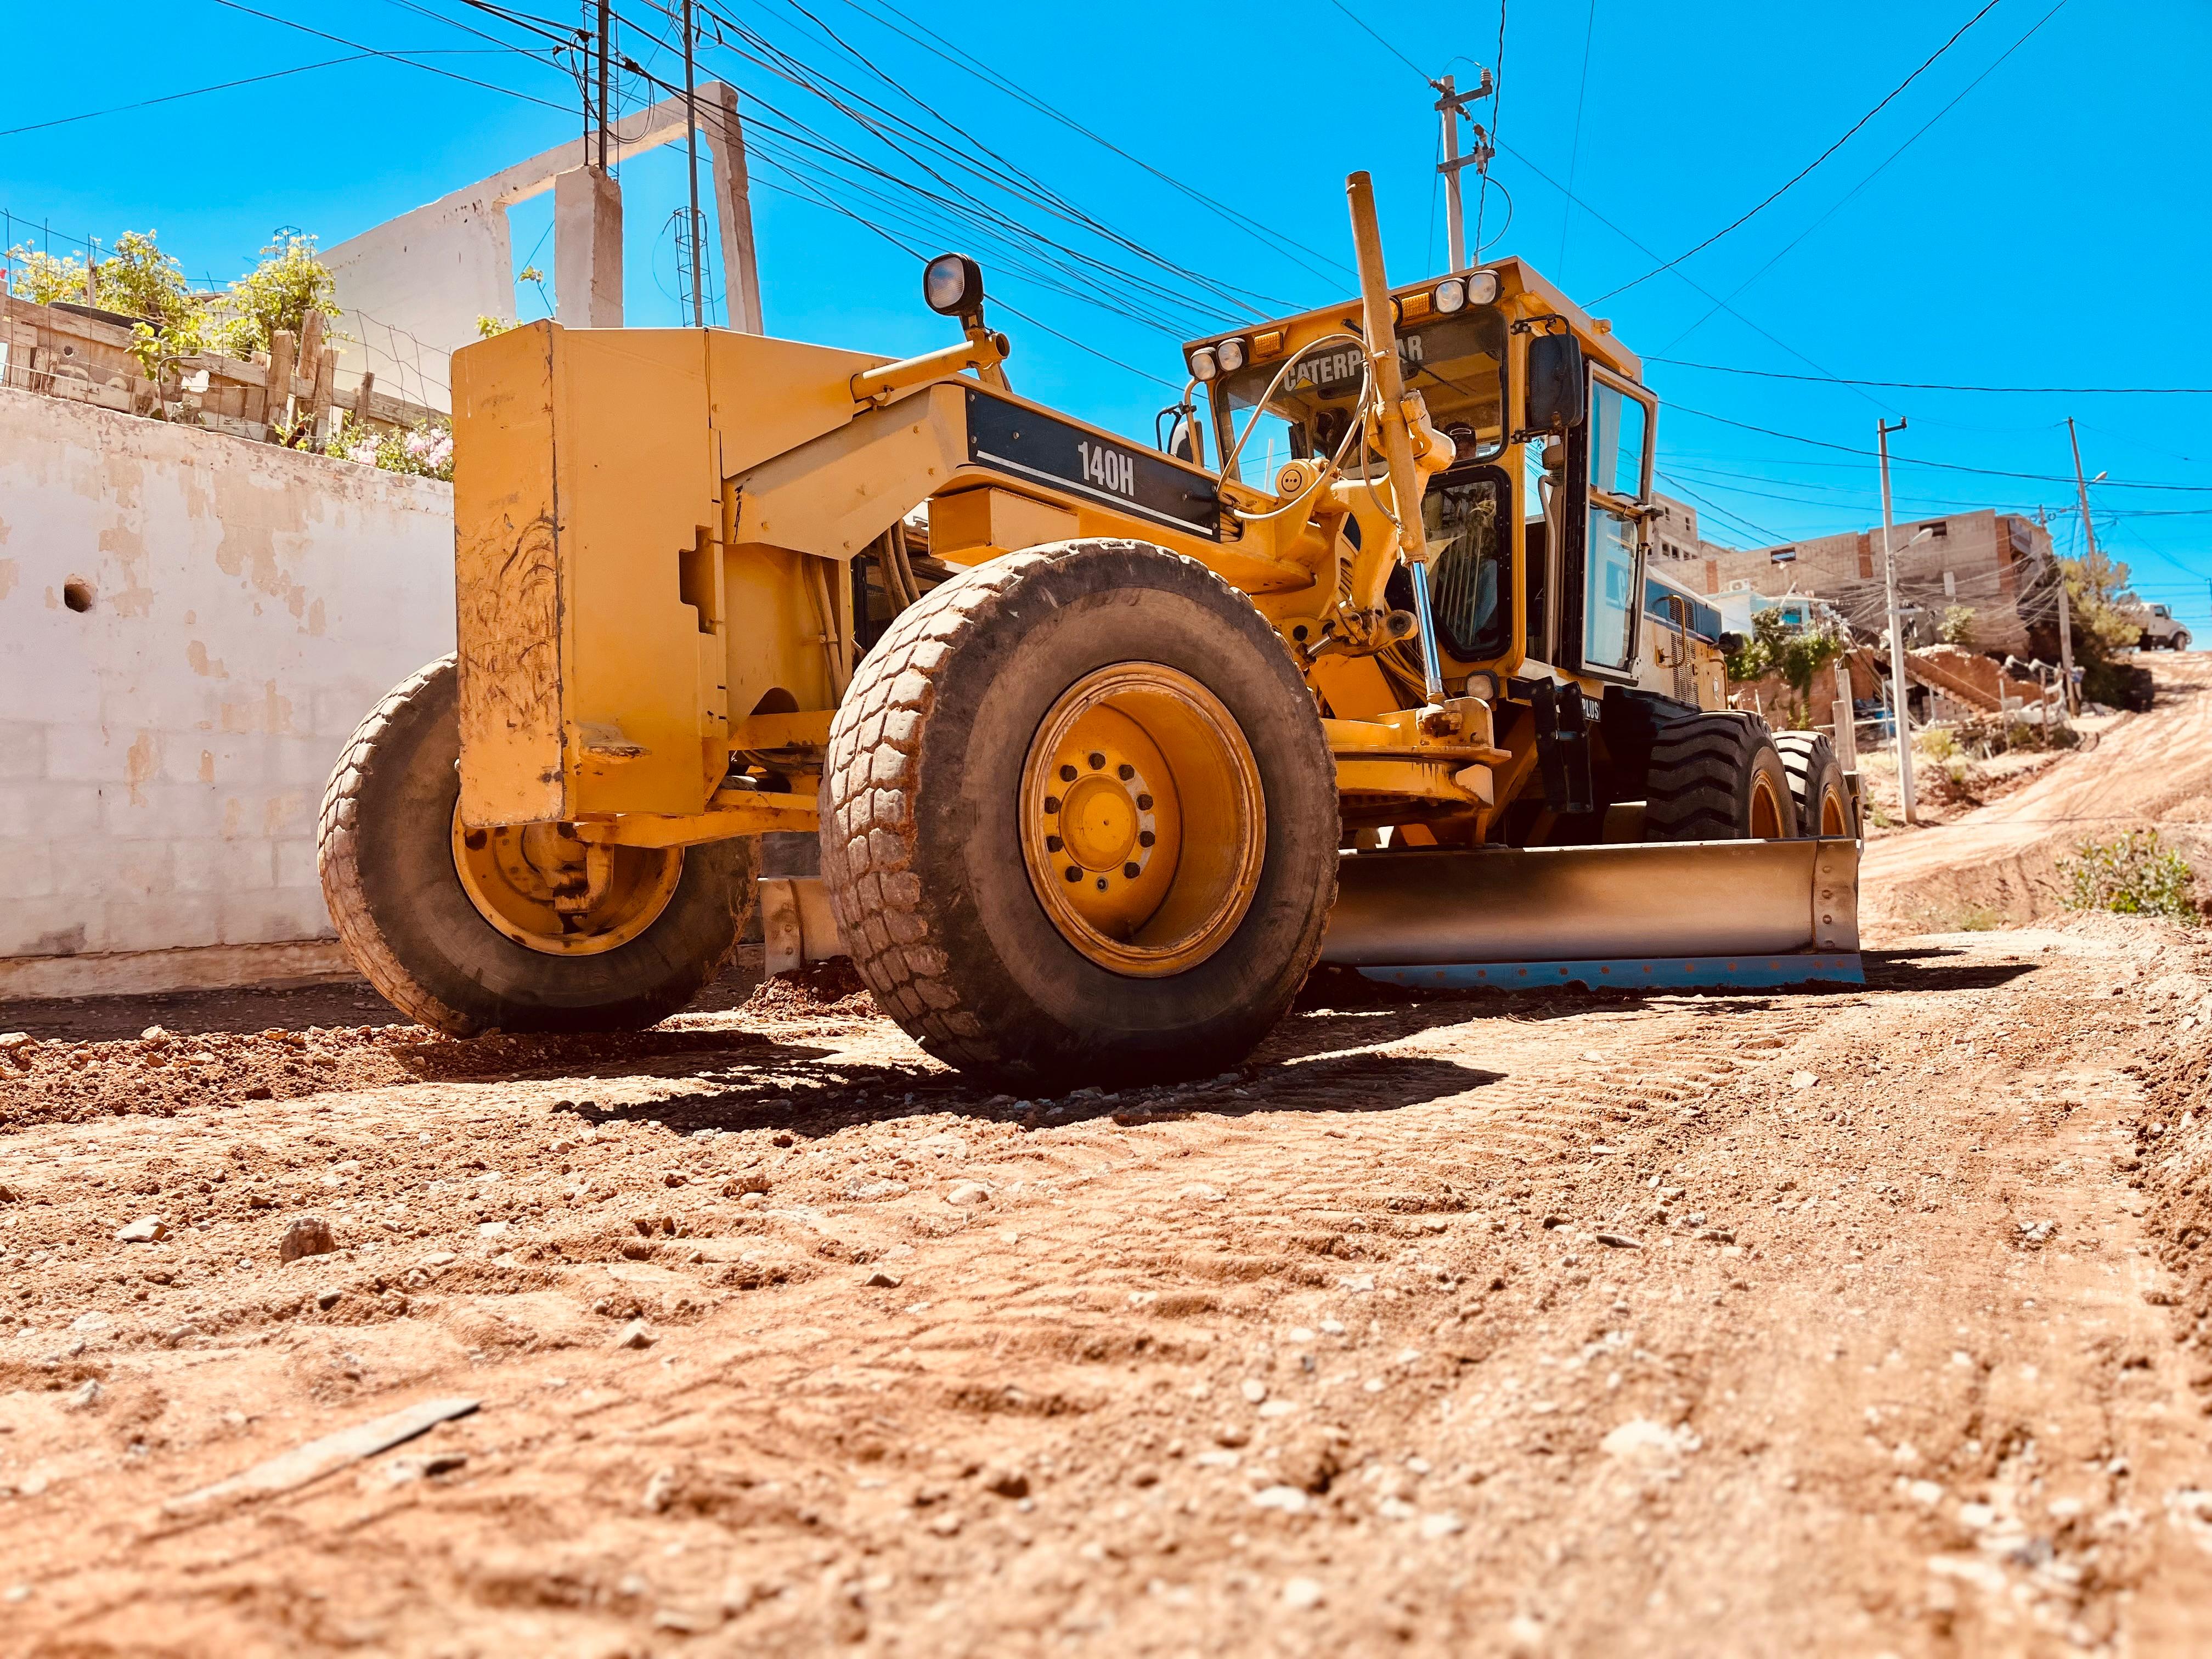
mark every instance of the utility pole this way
{"type": "Point", "coordinates": [1897, 682]}
{"type": "Point", "coordinates": [605, 7]}
{"type": "Point", "coordinates": [1449, 102]}
{"type": "Point", "coordinates": [691, 122]}
{"type": "Point", "coordinates": [2088, 565]}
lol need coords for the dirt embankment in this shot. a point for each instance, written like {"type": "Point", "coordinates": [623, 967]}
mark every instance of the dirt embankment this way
{"type": "Point", "coordinates": [2000, 863]}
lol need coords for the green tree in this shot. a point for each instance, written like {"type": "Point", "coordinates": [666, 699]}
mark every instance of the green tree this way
{"type": "Point", "coordinates": [1796, 653]}
{"type": "Point", "coordinates": [276, 294]}
{"type": "Point", "coordinates": [1958, 627]}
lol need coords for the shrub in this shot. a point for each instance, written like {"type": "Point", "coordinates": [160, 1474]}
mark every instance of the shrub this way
{"type": "Point", "coordinates": [1958, 626]}
{"type": "Point", "coordinates": [2135, 874]}
{"type": "Point", "coordinates": [425, 452]}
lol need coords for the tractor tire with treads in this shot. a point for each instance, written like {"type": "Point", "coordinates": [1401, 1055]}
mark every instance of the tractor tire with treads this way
{"type": "Point", "coordinates": [1032, 908]}
{"type": "Point", "coordinates": [391, 875]}
{"type": "Point", "coordinates": [1817, 785]}
{"type": "Point", "coordinates": [1716, 776]}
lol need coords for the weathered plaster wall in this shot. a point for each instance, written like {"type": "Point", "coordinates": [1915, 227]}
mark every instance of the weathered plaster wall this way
{"type": "Point", "coordinates": [163, 752]}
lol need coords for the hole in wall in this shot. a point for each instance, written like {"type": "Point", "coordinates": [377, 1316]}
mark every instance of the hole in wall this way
{"type": "Point", "coordinates": [77, 595]}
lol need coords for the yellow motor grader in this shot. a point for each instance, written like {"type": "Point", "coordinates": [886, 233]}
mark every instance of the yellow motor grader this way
{"type": "Point", "coordinates": [1103, 746]}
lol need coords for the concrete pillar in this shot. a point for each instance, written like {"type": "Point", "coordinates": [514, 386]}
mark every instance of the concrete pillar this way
{"type": "Point", "coordinates": [734, 208]}
{"type": "Point", "coordinates": [587, 249]}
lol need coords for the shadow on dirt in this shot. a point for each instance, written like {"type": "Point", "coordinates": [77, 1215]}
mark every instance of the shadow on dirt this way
{"type": "Point", "coordinates": [1928, 969]}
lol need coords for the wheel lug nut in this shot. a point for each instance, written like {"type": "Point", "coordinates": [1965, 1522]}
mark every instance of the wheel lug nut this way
{"type": "Point", "coordinates": [1067, 775]}
{"type": "Point", "coordinates": [1144, 803]}
{"type": "Point", "coordinates": [1125, 772]}
{"type": "Point", "coordinates": [1052, 803]}
{"type": "Point", "coordinates": [1052, 843]}
{"type": "Point", "coordinates": [1097, 761]}
{"type": "Point", "coordinates": [1133, 870]}
{"type": "Point", "coordinates": [1146, 838]}
{"type": "Point", "coordinates": [1074, 874]}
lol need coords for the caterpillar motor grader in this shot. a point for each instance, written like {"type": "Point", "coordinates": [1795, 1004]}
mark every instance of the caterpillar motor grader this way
{"type": "Point", "coordinates": [1103, 759]}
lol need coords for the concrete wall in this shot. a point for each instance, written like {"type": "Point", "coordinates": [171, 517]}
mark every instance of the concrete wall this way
{"type": "Point", "coordinates": [163, 752]}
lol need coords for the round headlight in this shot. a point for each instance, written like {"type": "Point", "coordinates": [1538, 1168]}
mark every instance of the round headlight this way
{"type": "Point", "coordinates": [1450, 296]}
{"type": "Point", "coordinates": [1231, 355]}
{"type": "Point", "coordinates": [1202, 364]}
{"type": "Point", "coordinates": [1482, 287]}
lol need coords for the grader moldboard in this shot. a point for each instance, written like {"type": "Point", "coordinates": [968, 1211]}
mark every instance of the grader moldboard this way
{"type": "Point", "coordinates": [1105, 759]}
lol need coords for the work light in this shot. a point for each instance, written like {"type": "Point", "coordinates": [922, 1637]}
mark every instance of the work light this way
{"type": "Point", "coordinates": [952, 286]}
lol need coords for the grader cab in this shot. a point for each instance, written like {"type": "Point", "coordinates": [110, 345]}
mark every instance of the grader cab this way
{"type": "Point", "coordinates": [1103, 746]}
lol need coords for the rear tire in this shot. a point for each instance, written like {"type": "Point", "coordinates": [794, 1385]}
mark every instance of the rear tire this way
{"type": "Point", "coordinates": [945, 767]}
{"type": "Point", "coordinates": [1717, 777]}
{"type": "Point", "coordinates": [1817, 785]}
{"type": "Point", "coordinates": [386, 854]}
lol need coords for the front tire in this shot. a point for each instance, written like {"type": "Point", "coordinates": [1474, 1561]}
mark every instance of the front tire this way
{"type": "Point", "coordinates": [1717, 777]}
{"type": "Point", "coordinates": [1817, 785]}
{"type": "Point", "coordinates": [1079, 820]}
{"type": "Point", "coordinates": [458, 927]}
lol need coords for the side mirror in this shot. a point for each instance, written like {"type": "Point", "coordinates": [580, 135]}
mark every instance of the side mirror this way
{"type": "Point", "coordinates": [1556, 393]}
{"type": "Point", "coordinates": [1730, 643]}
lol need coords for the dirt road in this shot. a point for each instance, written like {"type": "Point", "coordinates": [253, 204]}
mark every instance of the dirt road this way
{"type": "Point", "coordinates": [1865, 1322]}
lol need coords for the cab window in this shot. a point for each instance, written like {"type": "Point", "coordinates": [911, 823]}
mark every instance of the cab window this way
{"type": "Point", "coordinates": [1620, 451]}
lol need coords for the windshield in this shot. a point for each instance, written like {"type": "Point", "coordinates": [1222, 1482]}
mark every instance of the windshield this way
{"type": "Point", "coordinates": [1455, 363]}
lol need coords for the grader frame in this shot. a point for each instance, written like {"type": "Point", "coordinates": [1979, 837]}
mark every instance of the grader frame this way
{"type": "Point", "coordinates": [664, 546]}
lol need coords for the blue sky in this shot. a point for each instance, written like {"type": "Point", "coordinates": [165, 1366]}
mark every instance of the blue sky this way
{"type": "Point", "coordinates": [2027, 213]}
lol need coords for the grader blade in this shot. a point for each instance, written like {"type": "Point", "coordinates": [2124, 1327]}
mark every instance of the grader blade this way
{"type": "Point", "coordinates": [1721, 912]}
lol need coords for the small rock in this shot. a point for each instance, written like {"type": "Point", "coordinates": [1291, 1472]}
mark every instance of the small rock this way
{"type": "Point", "coordinates": [260, 1092]}
{"type": "Point", "coordinates": [492, 1228]}
{"type": "Point", "coordinates": [1300, 1594]}
{"type": "Point", "coordinates": [1291, 1500]}
{"type": "Point", "coordinates": [967, 1193]}
{"type": "Point", "coordinates": [660, 1491]}
{"type": "Point", "coordinates": [1620, 1241]}
{"type": "Point", "coordinates": [1440, 1526]}
{"type": "Point", "coordinates": [153, 1034]}
{"type": "Point", "coordinates": [306, 1236]}
{"type": "Point", "coordinates": [328, 1299]}
{"type": "Point", "coordinates": [147, 1229]}
{"type": "Point", "coordinates": [1254, 1390]}
{"type": "Point", "coordinates": [87, 1397]}
{"type": "Point", "coordinates": [737, 1186]}
{"type": "Point", "coordinates": [634, 1335]}
{"type": "Point", "coordinates": [1006, 1483]}
{"type": "Point", "coordinates": [91, 1320]}
{"type": "Point", "coordinates": [945, 1525]}
{"type": "Point", "coordinates": [1801, 1081]}
{"type": "Point", "coordinates": [8, 1194]}
{"type": "Point", "coordinates": [880, 1280]}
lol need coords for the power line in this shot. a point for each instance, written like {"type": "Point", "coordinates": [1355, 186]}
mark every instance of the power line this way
{"type": "Point", "coordinates": [1841, 202]}
{"type": "Point", "coordinates": [175, 97]}
{"type": "Point", "coordinates": [1947, 466]}
{"type": "Point", "coordinates": [1381, 42]}
{"type": "Point", "coordinates": [1806, 171]}
{"type": "Point", "coordinates": [375, 51]}
{"type": "Point", "coordinates": [1919, 385]}
{"type": "Point", "coordinates": [1575, 151]}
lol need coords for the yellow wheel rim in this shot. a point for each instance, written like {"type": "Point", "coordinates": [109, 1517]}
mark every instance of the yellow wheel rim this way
{"type": "Point", "coordinates": [1767, 811]}
{"type": "Point", "coordinates": [1835, 814]}
{"type": "Point", "coordinates": [1143, 822]}
{"type": "Point", "coordinates": [550, 891]}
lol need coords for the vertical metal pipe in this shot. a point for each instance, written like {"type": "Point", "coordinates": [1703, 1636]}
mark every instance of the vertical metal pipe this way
{"type": "Point", "coordinates": [2089, 568]}
{"type": "Point", "coordinates": [605, 7]}
{"type": "Point", "coordinates": [1897, 681]}
{"type": "Point", "coordinates": [691, 125]}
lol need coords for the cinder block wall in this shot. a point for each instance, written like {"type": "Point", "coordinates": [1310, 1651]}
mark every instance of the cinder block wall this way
{"type": "Point", "coordinates": [163, 750]}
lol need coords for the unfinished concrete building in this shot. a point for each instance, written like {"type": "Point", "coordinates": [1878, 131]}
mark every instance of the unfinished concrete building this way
{"type": "Point", "coordinates": [1998, 565]}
